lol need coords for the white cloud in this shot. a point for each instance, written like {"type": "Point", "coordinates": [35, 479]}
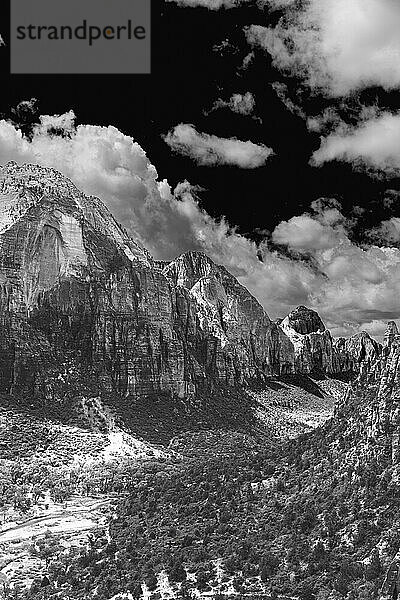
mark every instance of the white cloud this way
{"type": "Point", "coordinates": [320, 230]}
{"type": "Point", "coordinates": [354, 286]}
{"type": "Point", "coordinates": [243, 104]}
{"type": "Point", "coordinates": [304, 233]}
{"type": "Point", "coordinates": [350, 287]}
{"type": "Point", "coordinates": [329, 118]}
{"type": "Point", "coordinates": [376, 329]}
{"type": "Point", "coordinates": [210, 150]}
{"type": "Point", "coordinates": [336, 46]}
{"type": "Point", "coordinates": [374, 143]}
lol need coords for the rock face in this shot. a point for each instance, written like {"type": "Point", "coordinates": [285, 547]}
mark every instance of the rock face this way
{"type": "Point", "coordinates": [84, 309]}
{"type": "Point", "coordinates": [79, 298]}
{"type": "Point", "coordinates": [317, 352]}
{"type": "Point", "coordinates": [303, 320]}
{"type": "Point", "coordinates": [312, 343]}
{"type": "Point", "coordinates": [372, 407]}
{"type": "Point", "coordinates": [390, 334]}
{"type": "Point", "coordinates": [229, 313]}
{"type": "Point", "coordinates": [352, 353]}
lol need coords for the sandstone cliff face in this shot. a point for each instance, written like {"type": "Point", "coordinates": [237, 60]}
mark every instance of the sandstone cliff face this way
{"type": "Point", "coordinates": [80, 300]}
{"type": "Point", "coordinates": [317, 352]}
{"type": "Point", "coordinates": [372, 404]}
{"type": "Point", "coordinates": [84, 309]}
{"type": "Point", "coordinates": [229, 313]}
{"type": "Point", "coordinates": [313, 344]}
{"type": "Point", "coordinates": [390, 334]}
{"type": "Point", "coordinates": [84, 294]}
{"type": "Point", "coordinates": [384, 376]}
{"type": "Point", "coordinates": [358, 351]}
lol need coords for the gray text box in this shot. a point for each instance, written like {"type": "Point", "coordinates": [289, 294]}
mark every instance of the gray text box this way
{"type": "Point", "coordinates": [80, 36]}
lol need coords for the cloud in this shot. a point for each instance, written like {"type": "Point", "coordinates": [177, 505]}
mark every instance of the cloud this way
{"type": "Point", "coordinates": [210, 150]}
{"type": "Point", "coordinates": [354, 286]}
{"type": "Point", "coordinates": [387, 233]}
{"type": "Point", "coordinates": [351, 287]}
{"type": "Point", "coordinates": [329, 118]}
{"type": "Point", "coordinates": [335, 46]}
{"type": "Point", "coordinates": [281, 91]}
{"type": "Point", "coordinates": [374, 143]}
{"type": "Point", "coordinates": [375, 328]}
{"type": "Point", "coordinates": [303, 234]}
{"type": "Point", "coordinates": [321, 229]}
{"type": "Point", "coordinates": [243, 104]}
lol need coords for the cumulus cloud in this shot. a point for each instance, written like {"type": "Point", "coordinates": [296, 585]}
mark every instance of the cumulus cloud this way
{"type": "Point", "coordinates": [374, 143]}
{"type": "Point", "coordinates": [210, 150]}
{"type": "Point", "coordinates": [354, 287]}
{"type": "Point", "coordinates": [304, 234]}
{"type": "Point", "coordinates": [351, 287]}
{"type": "Point", "coordinates": [320, 230]}
{"type": "Point", "coordinates": [335, 46]}
{"type": "Point", "coordinates": [243, 104]}
{"type": "Point", "coordinates": [329, 118]}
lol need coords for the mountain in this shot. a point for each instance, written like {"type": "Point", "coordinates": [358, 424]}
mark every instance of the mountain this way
{"type": "Point", "coordinates": [163, 391]}
{"type": "Point", "coordinates": [80, 297]}
{"type": "Point", "coordinates": [315, 351]}
{"type": "Point", "coordinates": [78, 293]}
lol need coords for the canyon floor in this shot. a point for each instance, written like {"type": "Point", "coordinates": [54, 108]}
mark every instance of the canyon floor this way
{"type": "Point", "coordinates": [41, 454]}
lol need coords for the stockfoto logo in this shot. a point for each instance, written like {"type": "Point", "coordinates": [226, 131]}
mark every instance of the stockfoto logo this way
{"type": "Point", "coordinates": [90, 33]}
{"type": "Point", "coordinates": [81, 36]}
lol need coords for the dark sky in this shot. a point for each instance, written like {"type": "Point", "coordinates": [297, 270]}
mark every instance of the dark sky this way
{"type": "Point", "coordinates": [188, 76]}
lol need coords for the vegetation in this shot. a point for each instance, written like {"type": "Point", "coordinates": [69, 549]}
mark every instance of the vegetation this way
{"type": "Point", "coordinates": [300, 526]}
{"type": "Point", "coordinates": [315, 518]}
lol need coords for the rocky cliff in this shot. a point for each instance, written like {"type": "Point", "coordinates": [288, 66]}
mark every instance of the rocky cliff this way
{"type": "Point", "coordinates": [315, 351]}
{"type": "Point", "coordinates": [229, 313]}
{"type": "Point", "coordinates": [360, 351]}
{"type": "Point", "coordinates": [312, 342]}
{"type": "Point", "coordinates": [85, 309]}
{"type": "Point", "coordinates": [80, 300]}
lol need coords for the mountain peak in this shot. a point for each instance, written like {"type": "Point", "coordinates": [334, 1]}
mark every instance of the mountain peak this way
{"type": "Point", "coordinates": [55, 230]}
{"type": "Point", "coordinates": [304, 320]}
{"type": "Point", "coordinates": [30, 178]}
{"type": "Point", "coordinates": [188, 268]}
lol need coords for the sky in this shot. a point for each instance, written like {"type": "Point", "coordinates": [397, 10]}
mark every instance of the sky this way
{"type": "Point", "coordinates": [267, 136]}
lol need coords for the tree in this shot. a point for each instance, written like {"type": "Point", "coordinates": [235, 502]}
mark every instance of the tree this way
{"type": "Point", "coordinates": [46, 548]}
{"type": "Point", "coordinates": [374, 568]}
{"type": "Point", "coordinates": [203, 577]}
{"type": "Point", "coordinates": [268, 566]}
{"type": "Point", "coordinates": [151, 580]}
{"type": "Point", "coordinates": [319, 553]}
{"type": "Point", "coordinates": [305, 590]}
{"type": "Point", "coordinates": [177, 572]}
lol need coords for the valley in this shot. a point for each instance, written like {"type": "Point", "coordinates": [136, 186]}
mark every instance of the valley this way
{"type": "Point", "coordinates": [61, 459]}
{"type": "Point", "coordinates": [161, 437]}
